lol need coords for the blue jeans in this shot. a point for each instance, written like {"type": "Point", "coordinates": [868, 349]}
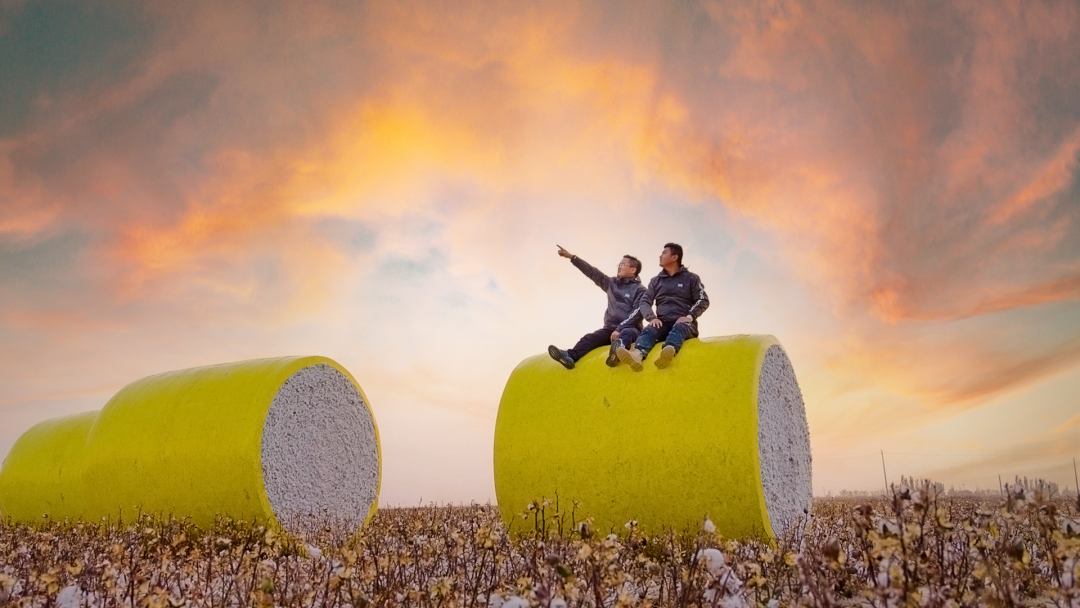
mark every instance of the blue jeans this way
{"type": "Point", "coordinates": [673, 334]}
{"type": "Point", "coordinates": [598, 338]}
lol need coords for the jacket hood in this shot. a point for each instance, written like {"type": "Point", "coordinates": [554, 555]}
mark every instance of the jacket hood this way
{"type": "Point", "coordinates": [681, 270]}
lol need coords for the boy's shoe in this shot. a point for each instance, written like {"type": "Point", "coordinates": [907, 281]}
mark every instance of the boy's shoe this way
{"type": "Point", "coordinates": [612, 356]}
{"type": "Point", "coordinates": [631, 357]}
{"type": "Point", "coordinates": [667, 355]}
{"type": "Point", "coordinates": [561, 356]}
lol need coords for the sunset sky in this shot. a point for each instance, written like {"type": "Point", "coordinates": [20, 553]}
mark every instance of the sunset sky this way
{"type": "Point", "coordinates": [890, 189]}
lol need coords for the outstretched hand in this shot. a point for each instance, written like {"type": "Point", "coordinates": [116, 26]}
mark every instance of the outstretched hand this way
{"type": "Point", "coordinates": [564, 253]}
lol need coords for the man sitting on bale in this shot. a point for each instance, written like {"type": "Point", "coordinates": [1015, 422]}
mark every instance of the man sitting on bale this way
{"type": "Point", "coordinates": [622, 320]}
{"type": "Point", "coordinates": [680, 299]}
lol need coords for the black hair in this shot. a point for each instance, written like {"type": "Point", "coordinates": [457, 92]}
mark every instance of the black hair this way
{"type": "Point", "coordinates": [675, 249]}
{"type": "Point", "coordinates": [636, 263]}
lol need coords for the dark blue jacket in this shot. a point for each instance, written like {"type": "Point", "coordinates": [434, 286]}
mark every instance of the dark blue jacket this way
{"type": "Point", "coordinates": [623, 296]}
{"type": "Point", "coordinates": [676, 295]}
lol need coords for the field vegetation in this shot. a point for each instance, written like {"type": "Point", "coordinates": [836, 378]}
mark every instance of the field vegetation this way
{"type": "Point", "coordinates": [915, 548]}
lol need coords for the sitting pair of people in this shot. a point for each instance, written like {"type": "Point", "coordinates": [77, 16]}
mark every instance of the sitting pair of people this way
{"type": "Point", "coordinates": [679, 298]}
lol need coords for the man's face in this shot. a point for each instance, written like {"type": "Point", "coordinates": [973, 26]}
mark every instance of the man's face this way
{"type": "Point", "coordinates": [666, 257]}
{"type": "Point", "coordinates": [626, 269]}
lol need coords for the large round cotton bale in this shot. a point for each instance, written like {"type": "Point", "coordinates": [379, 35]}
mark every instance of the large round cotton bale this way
{"type": "Point", "coordinates": [289, 441]}
{"type": "Point", "coordinates": [720, 434]}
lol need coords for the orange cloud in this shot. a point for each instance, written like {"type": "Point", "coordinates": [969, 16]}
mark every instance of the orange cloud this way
{"type": "Point", "coordinates": [893, 208]}
{"type": "Point", "coordinates": [901, 176]}
{"type": "Point", "coordinates": [1055, 175]}
{"type": "Point", "coordinates": [1068, 424]}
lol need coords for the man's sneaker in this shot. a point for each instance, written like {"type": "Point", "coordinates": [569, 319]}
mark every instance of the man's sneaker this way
{"type": "Point", "coordinates": [612, 356]}
{"type": "Point", "coordinates": [631, 357]}
{"type": "Point", "coordinates": [666, 357]}
{"type": "Point", "coordinates": [561, 356]}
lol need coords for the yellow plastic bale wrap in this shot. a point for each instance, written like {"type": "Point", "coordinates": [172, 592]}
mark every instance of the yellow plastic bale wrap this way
{"type": "Point", "coordinates": [720, 434]}
{"type": "Point", "coordinates": [279, 441]}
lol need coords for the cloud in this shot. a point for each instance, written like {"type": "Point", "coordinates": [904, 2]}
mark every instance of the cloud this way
{"type": "Point", "coordinates": [903, 162]}
{"type": "Point", "coordinates": [1068, 424]}
{"type": "Point", "coordinates": [1048, 459]}
{"type": "Point", "coordinates": [250, 177]}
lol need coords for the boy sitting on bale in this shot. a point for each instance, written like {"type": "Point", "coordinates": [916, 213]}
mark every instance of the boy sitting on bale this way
{"type": "Point", "coordinates": [622, 320]}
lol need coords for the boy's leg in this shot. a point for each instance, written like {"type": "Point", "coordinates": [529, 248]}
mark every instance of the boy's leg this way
{"type": "Point", "coordinates": [596, 339]}
{"type": "Point", "coordinates": [626, 338]}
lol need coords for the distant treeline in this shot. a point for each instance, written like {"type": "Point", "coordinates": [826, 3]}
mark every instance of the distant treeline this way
{"type": "Point", "coordinates": [1024, 483]}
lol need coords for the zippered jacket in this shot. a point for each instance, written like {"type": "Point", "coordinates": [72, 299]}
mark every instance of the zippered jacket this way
{"type": "Point", "coordinates": [676, 295]}
{"type": "Point", "coordinates": [623, 296]}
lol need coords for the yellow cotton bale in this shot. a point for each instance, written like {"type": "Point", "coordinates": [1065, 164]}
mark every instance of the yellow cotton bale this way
{"type": "Point", "coordinates": [289, 441]}
{"type": "Point", "coordinates": [720, 434]}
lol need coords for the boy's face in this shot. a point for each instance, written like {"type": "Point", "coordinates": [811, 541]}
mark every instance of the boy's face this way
{"type": "Point", "coordinates": [626, 269]}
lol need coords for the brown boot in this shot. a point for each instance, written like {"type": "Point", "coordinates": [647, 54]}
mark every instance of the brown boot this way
{"type": "Point", "coordinates": [666, 357]}
{"type": "Point", "coordinates": [631, 357]}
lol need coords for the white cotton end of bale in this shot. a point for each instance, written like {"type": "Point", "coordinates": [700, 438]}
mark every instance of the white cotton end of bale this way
{"type": "Point", "coordinates": [320, 455]}
{"type": "Point", "coordinates": [783, 442]}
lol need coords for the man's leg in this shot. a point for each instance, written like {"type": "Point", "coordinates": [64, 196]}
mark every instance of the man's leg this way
{"type": "Point", "coordinates": [679, 334]}
{"type": "Point", "coordinates": [648, 338]}
{"type": "Point", "coordinates": [675, 338]}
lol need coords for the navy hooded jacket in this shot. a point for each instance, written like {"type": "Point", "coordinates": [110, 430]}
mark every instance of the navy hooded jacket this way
{"type": "Point", "coordinates": [623, 296]}
{"type": "Point", "coordinates": [676, 295]}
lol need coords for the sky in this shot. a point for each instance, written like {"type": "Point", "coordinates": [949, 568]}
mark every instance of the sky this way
{"type": "Point", "coordinates": [889, 189]}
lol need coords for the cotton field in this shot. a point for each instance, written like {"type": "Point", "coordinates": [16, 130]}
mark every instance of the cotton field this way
{"type": "Point", "coordinates": [914, 549]}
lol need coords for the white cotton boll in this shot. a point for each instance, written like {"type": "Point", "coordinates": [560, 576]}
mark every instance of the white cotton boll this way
{"type": "Point", "coordinates": [516, 602]}
{"type": "Point", "coordinates": [1070, 527]}
{"type": "Point", "coordinates": [68, 597]}
{"type": "Point", "coordinates": [1068, 573]}
{"type": "Point", "coordinates": [709, 526]}
{"type": "Point", "coordinates": [883, 579]}
{"type": "Point", "coordinates": [735, 600]}
{"type": "Point", "coordinates": [773, 603]}
{"type": "Point", "coordinates": [495, 601]}
{"type": "Point", "coordinates": [886, 526]}
{"type": "Point", "coordinates": [558, 603]}
{"type": "Point", "coordinates": [713, 560]}
{"type": "Point", "coordinates": [314, 551]}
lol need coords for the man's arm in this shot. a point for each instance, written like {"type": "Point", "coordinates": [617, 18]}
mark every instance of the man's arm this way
{"type": "Point", "coordinates": [702, 302]}
{"type": "Point", "coordinates": [647, 299]}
